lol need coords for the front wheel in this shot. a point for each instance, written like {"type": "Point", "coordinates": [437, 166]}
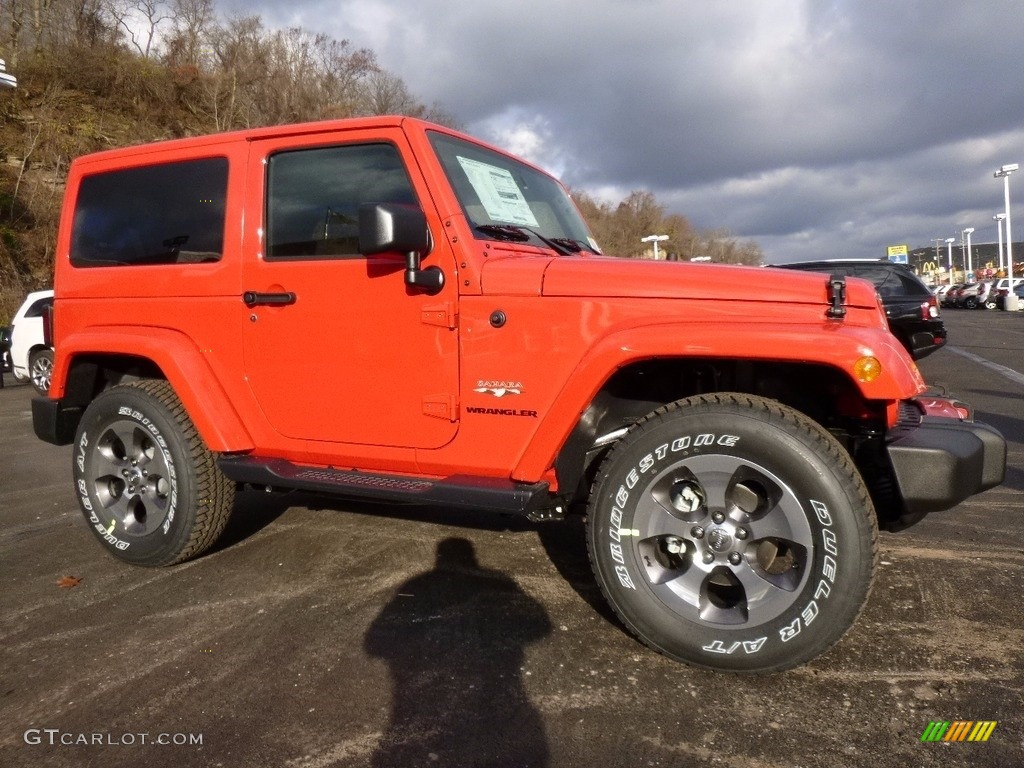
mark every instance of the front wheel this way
{"type": "Point", "coordinates": [146, 483]}
{"type": "Point", "coordinates": [732, 532]}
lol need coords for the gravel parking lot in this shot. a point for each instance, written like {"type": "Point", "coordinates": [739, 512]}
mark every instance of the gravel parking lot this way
{"type": "Point", "coordinates": [323, 634]}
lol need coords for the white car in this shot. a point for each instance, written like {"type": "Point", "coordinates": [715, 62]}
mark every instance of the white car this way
{"type": "Point", "coordinates": [31, 355]}
{"type": "Point", "coordinates": [1004, 283]}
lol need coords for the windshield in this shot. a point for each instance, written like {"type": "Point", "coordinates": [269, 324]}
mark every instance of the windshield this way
{"type": "Point", "coordinates": [504, 199]}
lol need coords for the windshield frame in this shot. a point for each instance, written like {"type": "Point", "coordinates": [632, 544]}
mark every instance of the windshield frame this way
{"type": "Point", "coordinates": [496, 190]}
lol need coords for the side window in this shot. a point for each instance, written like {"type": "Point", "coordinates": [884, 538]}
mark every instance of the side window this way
{"type": "Point", "coordinates": [313, 197]}
{"type": "Point", "coordinates": [157, 214]}
{"type": "Point", "coordinates": [890, 282]}
{"type": "Point", "coordinates": [39, 308]}
{"type": "Point", "coordinates": [885, 280]}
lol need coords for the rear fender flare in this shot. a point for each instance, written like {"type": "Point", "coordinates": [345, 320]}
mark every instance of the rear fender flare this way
{"type": "Point", "coordinates": [184, 367]}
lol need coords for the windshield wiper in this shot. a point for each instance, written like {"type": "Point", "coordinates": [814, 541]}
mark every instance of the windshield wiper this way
{"type": "Point", "coordinates": [504, 232]}
{"type": "Point", "coordinates": [517, 234]}
{"type": "Point", "coordinates": [575, 245]}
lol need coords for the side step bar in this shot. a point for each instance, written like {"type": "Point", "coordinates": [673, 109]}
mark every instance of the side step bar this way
{"type": "Point", "coordinates": [461, 491]}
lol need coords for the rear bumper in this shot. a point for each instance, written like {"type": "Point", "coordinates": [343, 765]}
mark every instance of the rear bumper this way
{"type": "Point", "coordinates": [53, 422]}
{"type": "Point", "coordinates": [923, 342]}
{"type": "Point", "coordinates": [942, 461]}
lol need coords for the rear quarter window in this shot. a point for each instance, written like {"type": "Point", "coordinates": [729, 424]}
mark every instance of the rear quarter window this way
{"type": "Point", "coordinates": [39, 308]}
{"type": "Point", "coordinates": [891, 282]}
{"type": "Point", "coordinates": [172, 213]}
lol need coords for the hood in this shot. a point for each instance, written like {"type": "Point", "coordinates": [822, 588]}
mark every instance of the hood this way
{"type": "Point", "coordinates": [608, 277]}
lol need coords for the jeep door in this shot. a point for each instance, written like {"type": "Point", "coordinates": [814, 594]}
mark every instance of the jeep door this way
{"type": "Point", "coordinates": [337, 348]}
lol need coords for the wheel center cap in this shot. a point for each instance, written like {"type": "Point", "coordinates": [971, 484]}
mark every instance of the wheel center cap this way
{"type": "Point", "coordinates": [719, 540]}
{"type": "Point", "coordinates": [135, 476]}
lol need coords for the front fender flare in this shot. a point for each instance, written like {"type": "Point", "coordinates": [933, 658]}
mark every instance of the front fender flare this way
{"type": "Point", "coordinates": [834, 344]}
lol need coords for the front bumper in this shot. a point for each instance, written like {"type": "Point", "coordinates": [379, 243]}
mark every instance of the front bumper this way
{"type": "Point", "coordinates": [941, 461]}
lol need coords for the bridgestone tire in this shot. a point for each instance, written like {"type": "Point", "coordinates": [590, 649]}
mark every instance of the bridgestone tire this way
{"type": "Point", "coordinates": [146, 483]}
{"type": "Point", "coordinates": [731, 532]}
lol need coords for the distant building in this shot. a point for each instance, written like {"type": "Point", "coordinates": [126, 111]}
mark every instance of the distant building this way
{"type": "Point", "coordinates": [933, 265]}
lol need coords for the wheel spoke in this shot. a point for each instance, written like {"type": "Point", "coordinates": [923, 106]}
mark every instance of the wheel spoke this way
{"type": "Point", "coordinates": [117, 508]}
{"type": "Point", "coordinates": [107, 466]}
{"type": "Point", "coordinates": [652, 519]}
{"type": "Point", "coordinates": [683, 592]}
{"type": "Point", "coordinates": [785, 521]}
{"type": "Point", "coordinates": [764, 599]}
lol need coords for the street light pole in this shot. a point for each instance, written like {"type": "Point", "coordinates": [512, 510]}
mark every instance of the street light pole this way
{"type": "Point", "coordinates": [999, 226]}
{"type": "Point", "coordinates": [968, 268]}
{"type": "Point", "coordinates": [654, 239]}
{"type": "Point", "coordinates": [949, 255]}
{"type": "Point", "coordinates": [1004, 173]}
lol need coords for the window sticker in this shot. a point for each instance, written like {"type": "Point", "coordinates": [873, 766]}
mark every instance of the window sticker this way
{"type": "Point", "coordinates": [498, 192]}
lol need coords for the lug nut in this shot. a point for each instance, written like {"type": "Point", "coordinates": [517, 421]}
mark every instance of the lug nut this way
{"type": "Point", "coordinates": [718, 517]}
{"type": "Point", "coordinates": [734, 558]}
{"type": "Point", "coordinates": [709, 558]}
{"type": "Point", "coordinates": [742, 533]}
{"type": "Point", "coordinates": [697, 532]}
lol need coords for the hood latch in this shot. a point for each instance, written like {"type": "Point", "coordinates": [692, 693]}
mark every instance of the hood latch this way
{"type": "Point", "coordinates": [836, 297]}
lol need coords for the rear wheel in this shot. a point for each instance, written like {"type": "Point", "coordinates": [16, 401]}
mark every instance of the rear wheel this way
{"type": "Point", "coordinates": [146, 483]}
{"type": "Point", "coordinates": [732, 532]}
{"type": "Point", "coordinates": [40, 369]}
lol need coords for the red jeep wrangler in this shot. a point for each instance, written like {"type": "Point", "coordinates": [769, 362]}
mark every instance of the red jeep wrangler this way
{"type": "Point", "coordinates": [471, 347]}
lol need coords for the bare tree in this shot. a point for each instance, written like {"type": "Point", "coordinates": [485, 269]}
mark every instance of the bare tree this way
{"type": "Point", "coordinates": [387, 94]}
{"type": "Point", "coordinates": [139, 21]}
{"type": "Point", "coordinates": [188, 43]}
{"type": "Point", "coordinates": [12, 13]}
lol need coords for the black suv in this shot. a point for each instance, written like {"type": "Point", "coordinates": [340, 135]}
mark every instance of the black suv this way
{"type": "Point", "coordinates": [912, 309]}
{"type": "Point", "coordinates": [5, 352]}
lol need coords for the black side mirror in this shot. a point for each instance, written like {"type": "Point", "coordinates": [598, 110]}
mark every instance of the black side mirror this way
{"type": "Point", "coordinates": [388, 227]}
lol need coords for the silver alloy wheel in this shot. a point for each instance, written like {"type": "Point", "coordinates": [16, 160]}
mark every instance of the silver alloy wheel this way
{"type": "Point", "coordinates": [724, 541]}
{"type": "Point", "coordinates": [40, 371]}
{"type": "Point", "coordinates": [130, 478]}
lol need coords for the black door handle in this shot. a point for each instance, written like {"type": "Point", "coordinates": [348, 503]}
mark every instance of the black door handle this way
{"type": "Point", "coordinates": [255, 298]}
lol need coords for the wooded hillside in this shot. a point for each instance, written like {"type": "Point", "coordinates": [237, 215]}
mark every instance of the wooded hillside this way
{"type": "Point", "coordinates": [97, 74]}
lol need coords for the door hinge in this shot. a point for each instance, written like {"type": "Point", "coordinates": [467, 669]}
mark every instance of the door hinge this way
{"type": "Point", "coordinates": [441, 315]}
{"type": "Point", "coordinates": [441, 407]}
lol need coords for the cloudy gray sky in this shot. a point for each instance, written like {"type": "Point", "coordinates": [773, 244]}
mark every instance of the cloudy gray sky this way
{"type": "Point", "coordinates": [818, 128]}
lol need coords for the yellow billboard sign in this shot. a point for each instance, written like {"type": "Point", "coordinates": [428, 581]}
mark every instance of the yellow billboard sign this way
{"type": "Point", "coordinates": [898, 253]}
